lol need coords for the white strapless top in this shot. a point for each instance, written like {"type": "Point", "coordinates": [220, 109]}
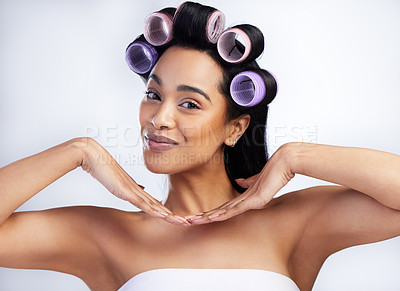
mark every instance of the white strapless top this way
{"type": "Point", "coordinates": [174, 279]}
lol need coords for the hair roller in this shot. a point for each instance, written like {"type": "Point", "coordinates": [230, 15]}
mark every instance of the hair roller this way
{"type": "Point", "coordinates": [248, 88]}
{"type": "Point", "coordinates": [141, 56]}
{"type": "Point", "coordinates": [215, 26]}
{"type": "Point", "coordinates": [233, 51]}
{"type": "Point", "coordinates": [158, 27]}
{"type": "Point", "coordinates": [201, 24]}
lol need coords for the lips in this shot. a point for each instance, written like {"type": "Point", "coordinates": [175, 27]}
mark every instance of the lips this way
{"type": "Point", "coordinates": [160, 139]}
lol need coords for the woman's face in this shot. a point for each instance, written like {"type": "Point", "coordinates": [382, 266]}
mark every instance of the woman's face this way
{"type": "Point", "coordinates": [183, 103]}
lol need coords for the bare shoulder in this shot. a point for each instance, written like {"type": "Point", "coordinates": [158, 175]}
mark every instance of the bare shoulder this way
{"type": "Point", "coordinates": [329, 219]}
{"type": "Point", "coordinates": [341, 212]}
{"type": "Point", "coordinates": [50, 230]}
{"type": "Point", "coordinates": [65, 239]}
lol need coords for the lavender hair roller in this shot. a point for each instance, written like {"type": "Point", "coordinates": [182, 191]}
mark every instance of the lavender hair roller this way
{"type": "Point", "coordinates": [141, 57]}
{"type": "Point", "coordinates": [215, 26]}
{"type": "Point", "coordinates": [227, 45]}
{"type": "Point", "coordinates": [247, 88]}
{"type": "Point", "coordinates": [158, 28]}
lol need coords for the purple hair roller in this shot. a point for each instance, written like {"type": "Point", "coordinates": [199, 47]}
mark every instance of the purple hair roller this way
{"type": "Point", "coordinates": [247, 88]}
{"type": "Point", "coordinates": [227, 45]}
{"type": "Point", "coordinates": [158, 28]}
{"type": "Point", "coordinates": [215, 26]}
{"type": "Point", "coordinates": [141, 57]}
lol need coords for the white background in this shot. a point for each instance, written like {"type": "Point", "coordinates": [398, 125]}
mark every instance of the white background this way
{"type": "Point", "coordinates": [63, 75]}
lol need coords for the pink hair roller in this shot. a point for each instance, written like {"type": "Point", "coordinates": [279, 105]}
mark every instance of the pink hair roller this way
{"type": "Point", "coordinates": [215, 26]}
{"type": "Point", "coordinates": [227, 48]}
{"type": "Point", "coordinates": [247, 88]}
{"type": "Point", "coordinates": [158, 28]}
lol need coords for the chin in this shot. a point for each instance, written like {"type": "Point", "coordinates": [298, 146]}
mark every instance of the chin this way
{"type": "Point", "coordinates": [161, 169]}
{"type": "Point", "coordinates": [158, 163]}
{"type": "Point", "coordinates": [161, 163]}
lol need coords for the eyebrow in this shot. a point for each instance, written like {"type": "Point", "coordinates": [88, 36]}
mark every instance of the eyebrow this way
{"type": "Point", "coordinates": [182, 88]}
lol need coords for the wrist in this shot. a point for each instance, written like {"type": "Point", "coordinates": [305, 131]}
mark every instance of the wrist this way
{"type": "Point", "coordinates": [80, 147]}
{"type": "Point", "coordinates": [295, 154]}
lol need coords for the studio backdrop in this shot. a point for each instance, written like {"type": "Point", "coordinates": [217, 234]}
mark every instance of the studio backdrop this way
{"type": "Point", "coordinates": [63, 75]}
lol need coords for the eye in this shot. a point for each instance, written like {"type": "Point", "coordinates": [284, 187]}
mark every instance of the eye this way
{"type": "Point", "coordinates": [193, 105]}
{"type": "Point", "coordinates": [155, 96]}
{"type": "Point", "coordinates": [151, 95]}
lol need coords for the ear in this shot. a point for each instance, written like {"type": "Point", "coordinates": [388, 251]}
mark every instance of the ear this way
{"type": "Point", "coordinates": [236, 128]}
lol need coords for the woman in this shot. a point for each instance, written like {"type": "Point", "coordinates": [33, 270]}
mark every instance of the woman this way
{"type": "Point", "coordinates": [280, 234]}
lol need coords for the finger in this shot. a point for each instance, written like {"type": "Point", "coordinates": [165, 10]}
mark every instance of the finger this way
{"type": "Point", "coordinates": [156, 203]}
{"type": "Point", "coordinates": [140, 203]}
{"type": "Point", "coordinates": [178, 220]}
{"type": "Point", "coordinates": [208, 211]}
{"type": "Point", "coordinates": [204, 216]}
{"type": "Point", "coordinates": [235, 210]}
{"type": "Point", "coordinates": [200, 220]}
{"type": "Point", "coordinates": [231, 202]}
{"type": "Point", "coordinates": [246, 183]}
{"type": "Point", "coordinates": [241, 182]}
{"type": "Point", "coordinates": [140, 192]}
{"type": "Point", "coordinates": [161, 210]}
{"type": "Point", "coordinates": [147, 203]}
{"type": "Point", "coordinates": [151, 200]}
{"type": "Point", "coordinates": [236, 207]}
{"type": "Point", "coordinates": [149, 209]}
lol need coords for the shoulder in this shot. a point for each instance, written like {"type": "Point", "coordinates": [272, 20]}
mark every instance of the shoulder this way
{"type": "Point", "coordinates": [332, 218]}
{"type": "Point", "coordinates": [97, 218]}
{"type": "Point", "coordinates": [75, 224]}
{"type": "Point", "coordinates": [66, 239]}
{"type": "Point", "coordinates": [295, 208]}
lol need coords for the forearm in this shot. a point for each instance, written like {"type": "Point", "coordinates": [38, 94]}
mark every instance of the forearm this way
{"type": "Point", "coordinates": [21, 180]}
{"type": "Point", "coordinates": [372, 172]}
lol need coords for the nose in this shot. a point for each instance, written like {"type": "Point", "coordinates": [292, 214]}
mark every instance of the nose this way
{"type": "Point", "coordinates": [163, 118]}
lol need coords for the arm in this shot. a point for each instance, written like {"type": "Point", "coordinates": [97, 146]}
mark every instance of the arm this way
{"type": "Point", "coordinates": [324, 219]}
{"type": "Point", "coordinates": [365, 171]}
{"type": "Point", "coordinates": [371, 172]}
{"type": "Point", "coordinates": [59, 239]}
{"type": "Point", "coordinates": [363, 210]}
{"type": "Point", "coordinates": [50, 239]}
{"type": "Point", "coordinates": [22, 179]}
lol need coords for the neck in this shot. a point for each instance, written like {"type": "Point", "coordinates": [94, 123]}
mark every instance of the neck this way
{"type": "Point", "coordinates": [200, 189]}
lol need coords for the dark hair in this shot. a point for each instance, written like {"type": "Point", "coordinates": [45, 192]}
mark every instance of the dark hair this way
{"type": "Point", "coordinates": [250, 153]}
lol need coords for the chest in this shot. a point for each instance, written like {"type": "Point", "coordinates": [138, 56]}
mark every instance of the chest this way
{"type": "Point", "coordinates": [241, 243]}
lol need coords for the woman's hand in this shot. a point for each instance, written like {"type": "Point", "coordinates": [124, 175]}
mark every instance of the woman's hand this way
{"type": "Point", "coordinates": [103, 167]}
{"type": "Point", "coordinates": [261, 189]}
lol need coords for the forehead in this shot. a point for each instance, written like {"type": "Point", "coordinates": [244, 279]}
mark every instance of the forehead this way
{"type": "Point", "coordinates": [188, 66]}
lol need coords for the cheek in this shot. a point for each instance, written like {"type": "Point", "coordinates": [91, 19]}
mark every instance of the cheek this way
{"type": "Point", "coordinates": [206, 132]}
{"type": "Point", "coordinates": [144, 114]}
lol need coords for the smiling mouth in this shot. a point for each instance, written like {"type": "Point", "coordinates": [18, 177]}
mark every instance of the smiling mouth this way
{"type": "Point", "coordinates": [160, 138]}
{"type": "Point", "coordinates": [158, 146]}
